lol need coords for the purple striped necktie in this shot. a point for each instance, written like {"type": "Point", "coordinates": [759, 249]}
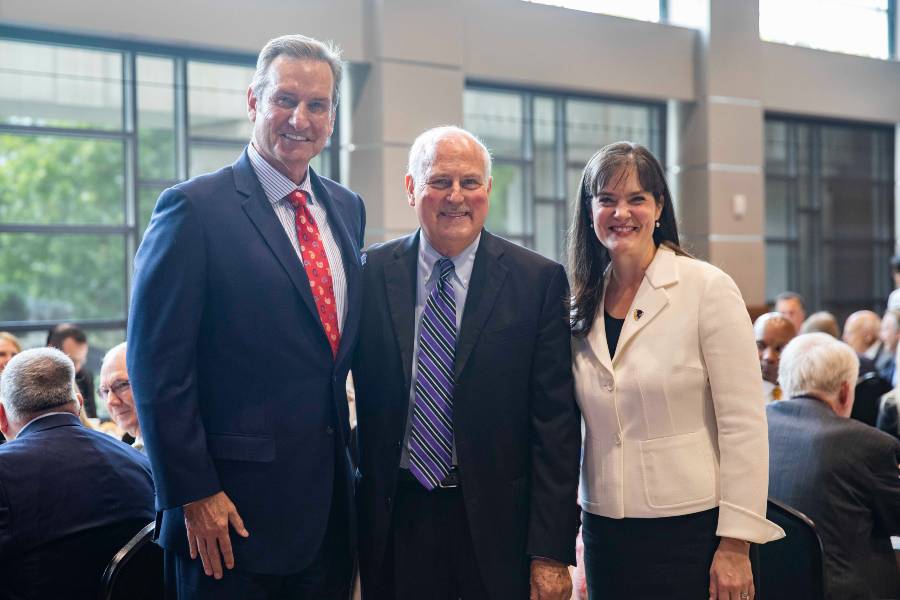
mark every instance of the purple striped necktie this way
{"type": "Point", "coordinates": [431, 438]}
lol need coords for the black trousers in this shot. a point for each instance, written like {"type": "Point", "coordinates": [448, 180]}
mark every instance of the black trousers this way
{"type": "Point", "coordinates": [667, 557]}
{"type": "Point", "coordinates": [328, 577]}
{"type": "Point", "coordinates": [430, 553]}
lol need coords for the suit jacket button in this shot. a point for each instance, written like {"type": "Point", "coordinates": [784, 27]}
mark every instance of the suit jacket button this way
{"type": "Point", "coordinates": [329, 430]}
{"type": "Point", "coordinates": [618, 439]}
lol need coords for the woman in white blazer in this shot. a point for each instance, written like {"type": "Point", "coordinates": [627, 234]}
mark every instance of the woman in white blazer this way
{"type": "Point", "coordinates": [675, 468]}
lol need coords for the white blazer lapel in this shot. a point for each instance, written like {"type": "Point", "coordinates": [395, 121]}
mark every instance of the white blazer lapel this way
{"type": "Point", "coordinates": [650, 299]}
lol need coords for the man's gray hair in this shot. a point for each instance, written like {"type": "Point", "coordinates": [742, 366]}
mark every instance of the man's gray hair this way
{"type": "Point", "coordinates": [816, 362]}
{"type": "Point", "coordinates": [299, 47]}
{"type": "Point", "coordinates": [422, 151]}
{"type": "Point", "coordinates": [37, 380]}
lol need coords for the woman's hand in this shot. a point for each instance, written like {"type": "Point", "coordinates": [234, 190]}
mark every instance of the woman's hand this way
{"type": "Point", "coordinates": [730, 577]}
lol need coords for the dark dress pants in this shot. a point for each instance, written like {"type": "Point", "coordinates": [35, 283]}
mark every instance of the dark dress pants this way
{"type": "Point", "coordinates": [430, 553]}
{"type": "Point", "coordinates": [327, 577]}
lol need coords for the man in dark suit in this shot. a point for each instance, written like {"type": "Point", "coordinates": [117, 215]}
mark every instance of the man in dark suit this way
{"type": "Point", "coordinates": [243, 320]}
{"type": "Point", "coordinates": [839, 472]}
{"type": "Point", "coordinates": [468, 427]}
{"type": "Point", "coordinates": [70, 497]}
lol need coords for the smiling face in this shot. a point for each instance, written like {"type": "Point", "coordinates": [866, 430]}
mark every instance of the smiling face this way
{"type": "Point", "coordinates": [453, 199]}
{"type": "Point", "coordinates": [624, 216]}
{"type": "Point", "coordinates": [770, 342]}
{"type": "Point", "coordinates": [294, 118]}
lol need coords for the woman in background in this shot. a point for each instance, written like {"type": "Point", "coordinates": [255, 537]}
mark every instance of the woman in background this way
{"type": "Point", "coordinates": [675, 467]}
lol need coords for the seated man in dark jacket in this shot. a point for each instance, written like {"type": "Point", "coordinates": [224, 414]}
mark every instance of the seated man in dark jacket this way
{"type": "Point", "coordinates": [839, 472]}
{"type": "Point", "coordinates": [70, 497]}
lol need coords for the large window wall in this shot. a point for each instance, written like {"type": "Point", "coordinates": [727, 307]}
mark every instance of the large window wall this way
{"type": "Point", "coordinates": [829, 212]}
{"type": "Point", "coordinates": [540, 143]}
{"type": "Point", "coordinates": [91, 131]}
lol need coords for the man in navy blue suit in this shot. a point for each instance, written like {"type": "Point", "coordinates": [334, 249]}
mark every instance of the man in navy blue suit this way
{"type": "Point", "coordinates": [243, 319]}
{"type": "Point", "coordinates": [70, 497]}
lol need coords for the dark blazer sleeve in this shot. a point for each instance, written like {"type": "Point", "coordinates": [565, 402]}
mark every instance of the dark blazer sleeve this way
{"type": "Point", "coordinates": [163, 327]}
{"type": "Point", "coordinates": [556, 427]}
{"type": "Point", "coordinates": [885, 477]}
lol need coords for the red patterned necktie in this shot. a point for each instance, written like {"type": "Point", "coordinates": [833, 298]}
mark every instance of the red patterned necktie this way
{"type": "Point", "coordinates": [318, 271]}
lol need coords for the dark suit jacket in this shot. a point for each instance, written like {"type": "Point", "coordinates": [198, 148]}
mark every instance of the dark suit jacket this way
{"type": "Point", "coordinates": [64, 491]}
{"type": "Point", "coordinates": [516, 423]}
{"type": "Point", "coordinates": [234, 381]}
{"type": "Point", "coordinates": [843, 475]}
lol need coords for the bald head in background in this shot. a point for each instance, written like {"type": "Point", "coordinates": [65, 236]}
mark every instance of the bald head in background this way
{"type": "Point", "coordinates": [861, 330]}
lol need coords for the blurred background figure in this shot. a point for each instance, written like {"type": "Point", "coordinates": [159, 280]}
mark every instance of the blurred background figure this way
{"type": "Point", "coordinates": [839, 472]}
{"type": "Point", "coordinates": [861, 333]}
{"type": "Point", "coordinates": [9, 347]}
{"type": "Point", "coordinates": [890, 335]}
{"type": "Point", "coordinates": [72, 340]}
{"type": "Point", "coordinates": [115, 390]}
{"type": "Point", "coordinates": [821, 322]}
{"type": "Point", "coordinates": [773, 331]}
{"type": "Point", "coordinates": [792, 306]}
{"type": "Point", "coordinates": [894, 299]}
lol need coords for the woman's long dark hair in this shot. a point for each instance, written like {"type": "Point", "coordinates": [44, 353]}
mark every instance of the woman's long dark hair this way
{"type": "Point", "coordinates": [587, 257]}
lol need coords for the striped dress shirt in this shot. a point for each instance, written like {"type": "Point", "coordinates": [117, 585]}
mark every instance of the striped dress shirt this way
{"type": "Point", "coordinates": [277, 187]}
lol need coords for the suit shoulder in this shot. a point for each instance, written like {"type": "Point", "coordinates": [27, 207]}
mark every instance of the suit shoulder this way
{"type": "Point", "coordinates": [336, 189]}
{"type": "Point", "coordinates": [382, 251]}
{"type": "Point", "coordinates": [523, 255]}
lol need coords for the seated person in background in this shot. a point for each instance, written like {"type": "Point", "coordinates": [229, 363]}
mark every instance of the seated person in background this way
{"type": "Point", "coordinates": [839, 472]}
{"type": "Point", "coordinates": [115, 389]}
{"type": "Point", "coordinates": [861, 334]}
{"type": "Point", "coordinates": [894, 298]}
{"type": "Point", "coordinates": [821, 322]}
{"type": "Point", "coordinates": [72, 340]}
{"type": "Point", "coordinates": [792, 306]}
{"type": "Point", "coordinates": [9, 347]}
{"type": "Point", "coordinates": [773, 331]}
{"type": "Point", "coordinates": [890, 335]}
{"type": "Point", "coordinates": [70, 497]}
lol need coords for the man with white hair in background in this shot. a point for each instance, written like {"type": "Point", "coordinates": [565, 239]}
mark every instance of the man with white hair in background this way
{"type": "Point", "coordinates": [115, 390]}
{"type": "Point", "coordinates": [839, 472]}
{"type": "Point", "coordinates": [70, 497]}
{"type": "Point", "coordinates": [773, 331]}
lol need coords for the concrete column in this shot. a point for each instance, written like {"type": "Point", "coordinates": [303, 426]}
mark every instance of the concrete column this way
{"type": "Point", "coordinates": [718, 154]}
{"type": "Point", "coordinates": [413, 80]}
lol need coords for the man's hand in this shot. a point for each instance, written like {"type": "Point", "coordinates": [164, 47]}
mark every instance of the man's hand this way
{"type": "Point", "coordinates": [207, 531]}
{"type": "Point", "coordinates": [550, 580]}
{"type": "Point", "coordinates": [730, 576]}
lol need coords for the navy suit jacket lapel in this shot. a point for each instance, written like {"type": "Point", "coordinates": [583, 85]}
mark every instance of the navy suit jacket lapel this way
{"type": "Point", "coordinates": [260, 211]}
{"type": "Point", "coordinates": [400, 285]}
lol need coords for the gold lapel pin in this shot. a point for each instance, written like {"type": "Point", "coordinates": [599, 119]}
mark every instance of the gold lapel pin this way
{"type": "Point", "coordinates": [638, 313]}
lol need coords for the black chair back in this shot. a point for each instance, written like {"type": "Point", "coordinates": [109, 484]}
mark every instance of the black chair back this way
{"type": "Point", "coordinates": [792, 567]}
{"type": "Point", "coordinates": [869, 390]}
{"type": "Point", "coordinates": [136, 571]}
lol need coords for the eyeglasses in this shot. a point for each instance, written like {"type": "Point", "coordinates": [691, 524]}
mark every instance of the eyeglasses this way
{"type": "Point", "coordinates": [118, 388]}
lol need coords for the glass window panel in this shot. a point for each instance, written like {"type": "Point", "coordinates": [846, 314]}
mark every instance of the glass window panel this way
{"type": "Point", "coordinates": [206, 158]}
{"type": "Point", "coordinates": [61, 276]}
{"type": "Point", "coordinates": [546, 178]}
{"type": "Point", "coordinates": [777, 207]}
{"type": "Point", "coordinates": [847, 209]}
{"type": "Point", "coordinates": [507, 214]}
{"type": "Point", "coordinates": [644, 10]}
{"type": "Point", "coordinates": [849, 26]}
{"type": "Point", "coordinates": [776, 147]}
{"type": "Point", "coordinates": [573, 193]}
{"type": "Point", "coordinates": [849, 262]}
{"type": "Point", "coordinates": [846, 151]}
{"type": "Point", "coordinates": [58, 86]}
{"type": "Point", "coordinates": [495, 117]}
{"type": "Point", "coordinates": [156, 117]}
{"type": "Point", "coordinates": [61, 180]}
{"type": "Point", "coordinates": [777, 279]}
{"type": "Point", "coordinates": [549, 230]}
{"type": "Point", "coordinates": [217, 100]}
{"type": "Point", "coordinates": [592, 124]}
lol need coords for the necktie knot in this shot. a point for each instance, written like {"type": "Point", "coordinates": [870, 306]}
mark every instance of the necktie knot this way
{"type": "Point", "coordinates": [445, 268]}
{"type": "Point", "coordinates": [297, 198]}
